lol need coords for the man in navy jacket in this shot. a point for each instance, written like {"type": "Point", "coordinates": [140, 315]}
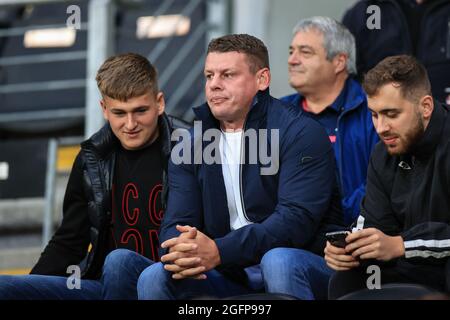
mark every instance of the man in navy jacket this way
{"type": "Point", "coordinates": [229, 207]}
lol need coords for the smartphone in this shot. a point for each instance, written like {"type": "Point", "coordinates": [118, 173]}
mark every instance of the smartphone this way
{"type": "Point", "coordinates": [337, 238]}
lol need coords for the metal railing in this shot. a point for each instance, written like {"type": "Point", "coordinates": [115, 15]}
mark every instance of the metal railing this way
{"type": "Point", "coordinates": [100, 44]}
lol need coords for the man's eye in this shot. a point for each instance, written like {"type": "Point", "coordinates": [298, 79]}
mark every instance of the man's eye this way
{"type": "Point", "coordinates": [208, 76]}
{"type": "Point", "coordinates": [392, 114]}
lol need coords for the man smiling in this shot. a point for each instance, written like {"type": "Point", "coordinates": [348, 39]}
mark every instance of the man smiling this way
{"type": "Point", "coordinates": [114, 196]}
{"type": "Point", "coordinates": [321, 64]}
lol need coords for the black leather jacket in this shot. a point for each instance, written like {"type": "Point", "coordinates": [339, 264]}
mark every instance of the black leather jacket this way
{"type": "Point", "coordinates": [83, 236]}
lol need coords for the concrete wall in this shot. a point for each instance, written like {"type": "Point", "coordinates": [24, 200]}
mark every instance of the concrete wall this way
{"type": "Point", "coordinates": [273, 21]}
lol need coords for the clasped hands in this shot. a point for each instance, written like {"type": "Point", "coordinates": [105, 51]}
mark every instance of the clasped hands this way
{"type": "Point", "coordinates": [190, 255]}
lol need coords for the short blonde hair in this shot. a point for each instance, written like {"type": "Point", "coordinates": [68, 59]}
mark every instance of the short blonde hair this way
{"type": "Point", "coordinates": [126, 76]}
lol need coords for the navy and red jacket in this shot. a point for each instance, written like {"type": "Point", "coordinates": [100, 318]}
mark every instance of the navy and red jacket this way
{"type": "Point", "coordinates": [355, 139]}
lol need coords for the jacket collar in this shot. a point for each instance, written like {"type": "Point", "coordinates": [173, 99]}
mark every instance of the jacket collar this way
{"type": "Point", "coordinates": [165, 132]}
{"type": "Point", "coordinates": [103, 142]}
{"type": "Point", "coordinates": [257, 110]}
{"type": "Point", "coordinates": [354, 95]}
{"type": "Point", "coordinates": [350, 97]}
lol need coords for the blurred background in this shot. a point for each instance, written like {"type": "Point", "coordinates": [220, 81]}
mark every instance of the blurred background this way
{"type": "Point", "coordinates": [49, 54]}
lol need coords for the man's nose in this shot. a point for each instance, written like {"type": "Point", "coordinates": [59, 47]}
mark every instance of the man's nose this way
{"type": "Point", "coordinates": [293, 59]}
{"type": "Point", "coordinates": [131, 122]}
{"type": "Point", "coordinates": [382, 125]}
{"type": "Point", "coordinates": [215, 83]}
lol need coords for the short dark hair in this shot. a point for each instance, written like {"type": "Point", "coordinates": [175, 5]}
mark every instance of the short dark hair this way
{"type": "Point", "coordinates": [256, 51]}
{"type": "Point", "coordinates": [126, 76]}
{"type": "Point", "coordinates": [405, 70]}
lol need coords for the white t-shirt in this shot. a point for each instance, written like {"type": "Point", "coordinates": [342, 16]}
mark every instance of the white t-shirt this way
{"type": "Point", "coordinates": [230, 154]}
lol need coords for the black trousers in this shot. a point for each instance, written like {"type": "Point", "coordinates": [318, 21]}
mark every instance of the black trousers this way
{"type": "Point", "coordinates": [436, 277]}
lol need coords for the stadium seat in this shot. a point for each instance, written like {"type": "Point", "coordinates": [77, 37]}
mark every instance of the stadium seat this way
{"type": "Point", "coordinates": [262, 296]}
{"type": "Point", "coordinates": [392, 291]}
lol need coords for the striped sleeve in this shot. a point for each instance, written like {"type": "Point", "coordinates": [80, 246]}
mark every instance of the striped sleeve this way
{"type": "Point", "coordinates": [429, 240]}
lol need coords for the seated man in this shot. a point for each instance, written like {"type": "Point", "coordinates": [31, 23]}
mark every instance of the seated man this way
{"type": "Point", "coordinates": [405, 214]}
{"type": "Point", "coordinates": [321, 60]}
{"type": "Point", "coordinates": [116, 173]}
{"type": "Point", "coordinates": [226, 217]}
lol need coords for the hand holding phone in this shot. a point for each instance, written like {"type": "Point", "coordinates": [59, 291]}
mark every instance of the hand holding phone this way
{"type": "Point", "coordinates": [337, 238]}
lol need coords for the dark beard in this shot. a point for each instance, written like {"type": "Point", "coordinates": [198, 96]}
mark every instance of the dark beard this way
{"type": "Point", "coordinates": [415, 135]}
{"type": "Point", "coordinates": [412, 137]}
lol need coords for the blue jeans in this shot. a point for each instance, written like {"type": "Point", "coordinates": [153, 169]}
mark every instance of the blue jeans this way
{"type": "Point", "coordinates": [41, 287]}
{"type": "Point", "coordinates": [120, 274]}
{"type": "Point", "coordinates": [121, 271]}
{"type": "Point", "coordinates": [296, 272]}
{"type": "Point", "coordinates": [155, 283]}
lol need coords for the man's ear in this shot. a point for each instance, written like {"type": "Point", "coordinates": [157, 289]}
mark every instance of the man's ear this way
{"type": "Point", "coordinates": [263, 79]}
{"type": "Point", "coordinates": [340, 62]}
{"type": "Point", "coordinates": [104, 111]}
{"type": "Point", "coordinates": [161, 103]}
{"type": "Point", "coordinates": [427, 106]}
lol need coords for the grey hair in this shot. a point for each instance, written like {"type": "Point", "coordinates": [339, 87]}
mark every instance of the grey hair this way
{"type": "Point", "coordinates": [336, 37]}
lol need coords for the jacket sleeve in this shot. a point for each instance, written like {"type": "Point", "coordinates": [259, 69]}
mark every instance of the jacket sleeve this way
{"type": "Point", "coordinates": [352, 203]}
{"type": "Point", "coordinates": [69, 244]}
{"type": "Point", "coordinates": [184, 204]}
{"type": "Point", "coordinates": [427, 240]}
{"type": "Point", "coordinates": [305, 186]}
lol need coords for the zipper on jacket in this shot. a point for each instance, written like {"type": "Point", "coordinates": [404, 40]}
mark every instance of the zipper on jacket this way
{"type": "Point", "coordinates": [240, 169]}
{"type": "Point", "coordinates": [339, 139]}
{"type": "Point", "coordinates": [110, 183]}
